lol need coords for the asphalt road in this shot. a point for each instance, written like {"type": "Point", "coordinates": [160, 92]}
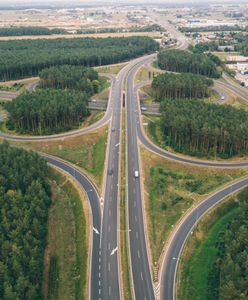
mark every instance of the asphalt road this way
{"type": "Point", "coordinates": [93, 197]}
{"type": "Point", "coordinates": [109, 272]}
{"type": "Point", "coordinates": [168, 273]}
{"type": "Point", "coordinates": [142, 281]}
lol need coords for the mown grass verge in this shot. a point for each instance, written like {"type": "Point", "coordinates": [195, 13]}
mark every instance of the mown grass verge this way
{"type": "Point", "coordinates": [65, 275]}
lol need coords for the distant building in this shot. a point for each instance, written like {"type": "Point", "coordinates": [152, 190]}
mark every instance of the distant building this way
{"type": "Point", "coordinates": [242, 68]}
{"type": "Point", "coordinates": [237, 58]}
{"type": "Point", "coordinates": [227, 47]}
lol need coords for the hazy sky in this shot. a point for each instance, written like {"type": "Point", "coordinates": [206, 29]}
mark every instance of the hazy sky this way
{"type": "Point", "coordinates": [8, 2]}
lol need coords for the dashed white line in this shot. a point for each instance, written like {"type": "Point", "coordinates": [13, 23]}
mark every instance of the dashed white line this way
{"type": "Point", "coordinates": [137, 235]}
{"type": "Point", "coordinates": [141, 275]}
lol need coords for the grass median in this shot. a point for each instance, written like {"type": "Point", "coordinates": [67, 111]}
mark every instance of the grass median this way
{"type": "Point", "coordinates": [126, 280]}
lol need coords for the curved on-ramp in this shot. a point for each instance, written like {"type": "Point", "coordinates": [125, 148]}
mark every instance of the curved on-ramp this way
{"type": "Point", "coordinates": [181, 234]}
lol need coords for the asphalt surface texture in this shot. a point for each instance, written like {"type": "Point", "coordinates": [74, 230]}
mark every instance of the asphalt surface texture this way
{"type": "Point", "coordinates": [142, 281]}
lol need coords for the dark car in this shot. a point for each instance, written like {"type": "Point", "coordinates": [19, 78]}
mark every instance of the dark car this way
{"type": "Point", "coordinates": [110, 172]}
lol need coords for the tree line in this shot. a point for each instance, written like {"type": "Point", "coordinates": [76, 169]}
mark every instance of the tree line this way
{"type": "Point", "coordinates": [228, 278]}
{"type": "Point", "coordinates": [198, 128]}
{"type": "Point", "coordinates": [23, 58]}
{"type": "Point", "coordinates": [22, 31]}
{"type": "Point", "coordinates": [242, 47]}
{"type": "Point", "coordinates": [176, 86]}
{"type": "Point", "coordinates": [70, 77]}
{"type": "Point", "coordinates": [25, 197]}
{"type": "Point", "coordinates": [214, 28]}
{"type": "Point", "coordinates": [146, 28]}
{"type": "Point", "coordinates": [47, 111]}
{"type": "Point", "coordinates": [186, 62]}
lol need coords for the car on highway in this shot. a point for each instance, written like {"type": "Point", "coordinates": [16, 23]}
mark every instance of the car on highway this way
{"type": "Point", "coordinates": [110, 172]}
{"type": "Point", "coordinates": [136, 174]}
{"type": "Point", "coordinates": [113, 129]}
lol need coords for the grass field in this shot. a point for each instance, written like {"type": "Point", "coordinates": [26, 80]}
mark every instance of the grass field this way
{"type": "Point", "coordinates": [111, 69]}
{"type": "Point", "coordinates": [74, 36]}
{"type": "Point", "coordinates": [225, 55]}
{"type": "Point", "coordinates": [66, 255]}
{"type": "Point", "coordinates": [86, 151]}
{"type": "Point", "coordinates": [143, 75]}
{"type": "Point", "coordinates": [172, 188]}
{"type": "Point", "coordinates": [146, 95]}
{"type": "Point", "coordinates": [199, 252]}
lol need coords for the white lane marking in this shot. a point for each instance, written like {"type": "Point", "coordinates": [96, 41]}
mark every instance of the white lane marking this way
{"type": "Point", "coordinates": [137, 235]}
{"type": "Point", "coordinates": [99, 274]}
{"type": "Point", "coordinates": [99, 282]}
{"type": "Point", "coordinates": [109, 246]}
{"type": "Point", "coordinates": [99, 291]}
{"type": "Point", "coordinates": [138, 254]}
{"type": "Point", "coordinates": [100, 259]}
{"type": "Point", "coordinates": [109, 267]}
{"type": "Point", "coordinates": [95, 230]}
{"type": "Point", "coordinates": [109, 228]}
{"type": "Point", "coordinates": [135, 217]}
{"type": "Point", "coordinates": [134, 203]}
{"type": "Point", "coordinates": [113, 251]}
{"type": "Point", "coordinates": [110, 213]}
{"type": "Point", "coordinates": [141, 275]}
{"type": "Point", "coordinates": [100, 267]}
{"type": "Point", "coordinates": [109, 290]}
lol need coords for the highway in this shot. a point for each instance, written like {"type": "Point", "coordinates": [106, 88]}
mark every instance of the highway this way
{"type": "Point", "coordinates": [105, 281]}
{"type": "Point", "coordinates": [141, 275]}
{"type": "Point", "coordinates": [182, 232]}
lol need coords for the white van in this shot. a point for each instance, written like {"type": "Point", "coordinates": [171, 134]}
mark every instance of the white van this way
{"type": "Point", "coordinates": [136, 174]}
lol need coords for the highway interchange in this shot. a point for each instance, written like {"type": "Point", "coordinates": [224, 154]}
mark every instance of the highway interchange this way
{"type": "Point", "coordinates": [105, 273]}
